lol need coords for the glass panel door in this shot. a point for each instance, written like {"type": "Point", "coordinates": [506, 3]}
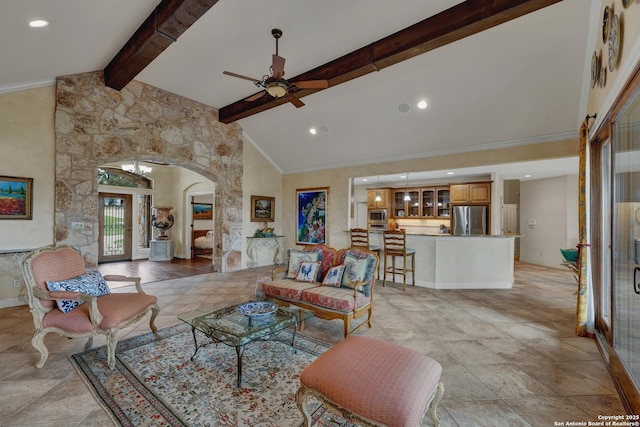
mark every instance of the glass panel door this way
{"type": "Point", "coordinates": [604, 294]}
{"type": "Point", "coordinates": [443, 204]}
{"type": "Point", "coordinates": [413, 206]}
{"type": "Point", "coordinates": [428, 202]}
{"type": "Point", "coordinates": [114, 243]}
{"type": "Point", "coordinates": [626, 239]}
{"type": "Point", "coordinates": [144, 221]}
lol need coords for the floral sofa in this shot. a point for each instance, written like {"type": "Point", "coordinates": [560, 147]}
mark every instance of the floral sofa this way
{"type": "Point", "coordinates": [331, 284]}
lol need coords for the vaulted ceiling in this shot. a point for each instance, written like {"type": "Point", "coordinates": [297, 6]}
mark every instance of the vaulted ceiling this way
{"type": "Point", "coordinates": [519, 82]}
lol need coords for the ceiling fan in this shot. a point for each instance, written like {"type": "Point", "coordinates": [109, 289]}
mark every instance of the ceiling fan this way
{"type": "Point", "coordinates": [275, 85]}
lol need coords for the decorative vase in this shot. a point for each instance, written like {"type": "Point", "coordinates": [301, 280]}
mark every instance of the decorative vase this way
{"type": "Point", "coordinates": [162, 220]}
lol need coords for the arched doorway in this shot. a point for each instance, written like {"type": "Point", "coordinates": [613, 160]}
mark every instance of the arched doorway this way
{"type": "Point", "coordinates": [96, 125]}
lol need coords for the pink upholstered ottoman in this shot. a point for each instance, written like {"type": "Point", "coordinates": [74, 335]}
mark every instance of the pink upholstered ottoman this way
{"type": "Point", "coordinates": [372, 383]}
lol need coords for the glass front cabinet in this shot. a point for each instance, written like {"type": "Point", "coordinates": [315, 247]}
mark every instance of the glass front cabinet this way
{"type": "Point", "coordinates": [444, 207]}
{"type": "Point", "coordinates": [429, 202]}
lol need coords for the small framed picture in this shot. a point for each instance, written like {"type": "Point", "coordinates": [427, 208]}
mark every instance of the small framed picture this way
{"type": "Point", "coordinates": [202, 211]}
{"type": "Point", "coordinates": [16, 198]}
{"type": "Point", "coordinates": [263, 209]}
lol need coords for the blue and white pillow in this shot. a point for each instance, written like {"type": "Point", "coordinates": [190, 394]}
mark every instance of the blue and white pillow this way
{"type": "Point", "coordinates": [308, 272]}
{"type": "Point", "coordinates": [297, 257]}
{"type": "Point", "coordinates": [91, 283]}
{"type": "Point", "coordinates": [356, 270]}
{"type": "Point", "coordinates": [334, 276]}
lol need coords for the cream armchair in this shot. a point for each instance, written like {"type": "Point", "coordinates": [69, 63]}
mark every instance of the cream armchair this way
{"type": "Point", "coordinates": [95, 315]}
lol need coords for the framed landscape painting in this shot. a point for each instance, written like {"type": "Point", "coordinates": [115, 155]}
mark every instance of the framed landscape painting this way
{"type": "Point", "coordinates": [312, 207]}
{"type": "Point", "coordinates": [16, 198]}
{"type": "Point", "coordinates": [262, 209]}
{"type": "Point", "coordinates": [202, 211]}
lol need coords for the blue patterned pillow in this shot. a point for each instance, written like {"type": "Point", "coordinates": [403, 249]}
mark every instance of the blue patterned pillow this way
{"type": "Point", "coordinates": [91, 283]}
{"type": "Point", "coordinates": [334, 276]}
{"type": "Point", "coordinates": [357, 269]}
{"type": "Point", "coordinates": [297, 257]}
{"type": "Point", "coordinates": [308, 272]}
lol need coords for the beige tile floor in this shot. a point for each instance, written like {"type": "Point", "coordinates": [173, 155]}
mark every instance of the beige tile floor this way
{"type": "Point", "coordinates": [510, 357]}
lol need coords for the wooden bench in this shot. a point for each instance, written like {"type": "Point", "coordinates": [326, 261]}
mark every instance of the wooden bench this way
{"type": "Point", "coordinates": [372, 383]}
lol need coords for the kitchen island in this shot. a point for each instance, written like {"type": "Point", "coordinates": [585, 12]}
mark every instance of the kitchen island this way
{"type": "Point", "coordinates": [459, 262]}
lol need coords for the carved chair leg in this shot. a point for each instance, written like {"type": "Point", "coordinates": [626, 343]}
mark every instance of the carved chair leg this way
{"type": "Point", "coordinates": [370, 316]}
{"type": "Point", "coordinates": [112, 342]}
{"type": "Point", "coordinates": [347, 326]}
{"type": "Point", "coordinates": [301, 400]}
{"type": "Point", "coordinates": [37, 341]}
{"type": "Point", "coordinates": [434, 404]}
{"type": "Point", "coordinates": [154, 313]}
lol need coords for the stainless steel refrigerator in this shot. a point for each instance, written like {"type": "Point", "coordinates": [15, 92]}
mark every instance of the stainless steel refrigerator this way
{"type": "Point", "coordinates": [469, 220]}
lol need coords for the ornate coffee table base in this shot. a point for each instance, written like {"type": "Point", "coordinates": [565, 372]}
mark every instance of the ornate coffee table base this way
{"type": "Point", "coordinates": [239, 348]}
{"type": "Point", "coordinates": [233, 329]}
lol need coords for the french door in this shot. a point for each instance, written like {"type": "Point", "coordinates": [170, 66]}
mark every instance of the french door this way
{"type": "Point", "coordinates": [615, 225]}
{"type": "Point", "coordinates": [626, 240]}
{"type": "Point", "coordinates": [114, 242]}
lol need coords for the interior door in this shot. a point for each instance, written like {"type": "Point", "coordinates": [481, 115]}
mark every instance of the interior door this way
{"type": "Point", "coordinates": [114, 242]}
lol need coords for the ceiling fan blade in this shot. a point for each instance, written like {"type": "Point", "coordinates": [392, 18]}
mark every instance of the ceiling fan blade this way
{"type": "Point", "coordinates": [295, 100]}
{"type": "Point", "coordinates": [277, 65]}
{"type": "Point", "coordinates": [240, 76]}
{"type": "Point", "coordinates": [311, 84]}
{"type": "Point", "coordinates": [256, 96]}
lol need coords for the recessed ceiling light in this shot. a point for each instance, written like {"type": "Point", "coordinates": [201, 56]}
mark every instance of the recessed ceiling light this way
{"type": "Point", "coordinates": [38, 23]}
{"type": "Point", "coordinates": [422, 104]}
{"type": "Point", "coordinates": [450, 173]}
{"type": "Point", "coordinates": [403, 176]}
{"type": "Point", "coordinates": [404, 108]}
{"type": "Point", "coordinates": [365, 179]}
{"type": "Point", "coordinates": [313, 131]}
{"type": "Point", "coordinates": [324, 128]}
{"type": "Point", "coordinates": [528, 176]}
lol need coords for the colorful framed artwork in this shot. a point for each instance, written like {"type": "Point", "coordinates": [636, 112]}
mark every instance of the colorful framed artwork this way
{"type": "Point", "coordinates": [202, 211]}
{"type": "Point", "coordinates": [263, 209]}
{"type": "Point", "coordinates": [16, 198]}
{"type": "Point", "coordinates": [312, 216]}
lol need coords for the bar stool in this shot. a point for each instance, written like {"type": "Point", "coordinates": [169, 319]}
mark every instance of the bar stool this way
{"type": "Point", "coordinates": [360, 239]}
{"type": "Point", "coordinates": [395, 245]}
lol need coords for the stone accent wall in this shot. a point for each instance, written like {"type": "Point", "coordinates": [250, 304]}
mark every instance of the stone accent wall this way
{"type": "Point", "coordinates": [97, 125]}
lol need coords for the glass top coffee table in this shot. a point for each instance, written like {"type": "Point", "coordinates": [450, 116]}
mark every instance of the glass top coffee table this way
{"type": "Point", "coordinates": [231, 327]}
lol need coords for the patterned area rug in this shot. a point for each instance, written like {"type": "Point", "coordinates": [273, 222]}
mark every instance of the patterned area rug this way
{"type": "Point", "coordinates": [155, 383]}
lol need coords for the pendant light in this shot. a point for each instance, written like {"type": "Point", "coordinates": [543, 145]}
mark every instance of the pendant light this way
{"type": "Point", "coordinates": [378, 198]}
{"type": "Point", "coordinates": [407, 198]}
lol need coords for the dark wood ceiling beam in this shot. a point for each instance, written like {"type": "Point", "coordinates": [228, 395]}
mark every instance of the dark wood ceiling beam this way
{"type": "Point", "coordinates": [169, 20]}
{"type": "Point", "coordinates": [463, 20]}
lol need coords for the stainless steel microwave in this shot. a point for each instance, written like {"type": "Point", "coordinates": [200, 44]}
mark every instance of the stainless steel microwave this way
{"type": "Point", "coordinates": [378, 215]}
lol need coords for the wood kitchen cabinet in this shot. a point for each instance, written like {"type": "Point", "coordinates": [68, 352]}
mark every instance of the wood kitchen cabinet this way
{"type": "Point", "coordinates": [475, 192]}
{"type": "Point", "coordinates": [443, 196]}
{"type": "Point", "coordinates": [406, 208]}
{"type": "Point", "coordinates": [428, 202]}
{"type": "Point", "coordinates": [384, 196]}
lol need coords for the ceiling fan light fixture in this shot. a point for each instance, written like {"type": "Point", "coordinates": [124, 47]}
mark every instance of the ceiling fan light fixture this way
{"type": "Point", "coordinates": [277, 88]}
